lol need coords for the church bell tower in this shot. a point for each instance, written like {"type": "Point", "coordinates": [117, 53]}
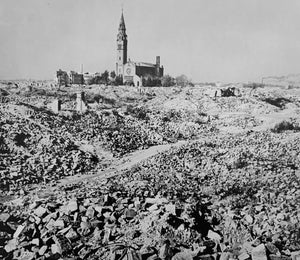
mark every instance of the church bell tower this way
{"type": "Point", "coordinates": [121, 47]}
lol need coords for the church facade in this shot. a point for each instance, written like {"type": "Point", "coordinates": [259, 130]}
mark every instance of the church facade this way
{"type": "Point", "coordinates": [133, 72]}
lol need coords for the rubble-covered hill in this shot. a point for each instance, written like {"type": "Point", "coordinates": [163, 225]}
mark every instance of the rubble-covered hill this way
{"type": "Point", "coordinates": [287, 80]}
{"type": "Point", "coordinates": [214, 195]}
{"type": "Point", "coordinates": [40, 146]}
{"type": "Point", "coordinates": [32, 153]}
{"type": "Point", "coordinates": [235, 197]}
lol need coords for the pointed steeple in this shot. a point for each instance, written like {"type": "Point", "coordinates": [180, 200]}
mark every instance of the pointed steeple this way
{"type": "Point", "coordinates": [121, 46]}
{"type": "Point", "coordinates": [122, 27]}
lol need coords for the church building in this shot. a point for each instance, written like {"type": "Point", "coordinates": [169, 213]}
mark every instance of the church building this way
{"type": "Point", "coordinates": [133, 72]}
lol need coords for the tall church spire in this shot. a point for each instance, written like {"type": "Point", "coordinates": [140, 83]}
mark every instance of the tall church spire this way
{"type": "Point", "coordinates": [122, 28]}
{"type": "Point", "coordinates": [122, 22]}
{"type": "Point", "coordinates": [121, 47]}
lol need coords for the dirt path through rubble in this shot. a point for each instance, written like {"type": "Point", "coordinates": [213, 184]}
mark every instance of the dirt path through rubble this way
{"type": "Point", "coordinates": [116, 168]}
{"type": "Point", "coordinates": [130, 160]}
{"type": "Point", "coordinates": [123, 164]}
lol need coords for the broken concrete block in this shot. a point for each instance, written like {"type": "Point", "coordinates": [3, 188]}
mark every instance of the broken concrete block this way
{"type": "Point", "coordinates": [65, 230]}
{"type": "Point", "coordinates": [171, 208]}
{"type": "Point", "coordinates": [63, 244]}
{"type": "Point", "coordinates": [40, 211]}
{"type": "Point", "coordinates": [4, 217]}
{"type": "Point", "coordinates": [272, 249]}
{"type": "Point", "coordinates": [157, 201]}
{"type": "Point", "coordinates": [98, 209]}
{"type": "Point", "coordinates": [72, 206]}
{"type": "Point", "coordinates": [36, 241]}
{"type": "Point", "coordinates": [153, 207]}
{"type": "Point", "coordinates": [19, 230]}
{"type": "Point", "coordinates": [259, 253]}
{"type": "Point", "coordinates": [243, 256]}
{"type": "Point", "coordinates": [43, 250]}
{"type": "Point", "coordinates": [59, 223]}
{"type": "Point", "coordinates": [11, 245]}
{"type": "Point", "coordinates": [27, 255]}
{"type": "Point", "coordinates": [72, 235]}
{"type": "Point", "coordinates": [165, 251]}
{"type": "Point", "coordinates": [249, 219]}
{"type": "Point", "coordinates": [56, 249]}
{"type": "Point", "coordinates": [107, 235]}
{"type": "Point", "coordinates": [53, 216]}
{"type": "Point", "coordinates": [51, 224]}
{"type": "Point", "coordinates": [130, 213]}
{"type": "Point", "coordinates": [225, 256]}
{"type": "Point", "coordinates": [214, 235]}
{"type": "Point", "coordinates": [90, 212]}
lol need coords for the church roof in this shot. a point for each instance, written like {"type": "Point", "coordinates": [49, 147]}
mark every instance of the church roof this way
{"type": "Point", "coordinates": [145, 64]}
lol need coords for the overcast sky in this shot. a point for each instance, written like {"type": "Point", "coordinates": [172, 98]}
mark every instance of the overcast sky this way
{"type": "Point", "coordinates": [208, 40]}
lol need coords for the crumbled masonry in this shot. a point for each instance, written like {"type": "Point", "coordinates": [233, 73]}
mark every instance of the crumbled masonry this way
{"type": "Point", "coordinates": [225, 186]}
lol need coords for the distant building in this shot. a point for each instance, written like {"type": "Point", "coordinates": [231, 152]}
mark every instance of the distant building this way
{"type": "Point", "coordinates": [72, 77]}
{"type": "Point", "coordinates": [62, 78]}
{"type": "Point", "coordinates": [88, 78]}
{"type": "Point", "coordinates": [133, 72]}
{"type": "Point", "coordinates": [76, 78]}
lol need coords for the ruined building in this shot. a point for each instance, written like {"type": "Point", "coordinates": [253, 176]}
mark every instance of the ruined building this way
{"type": "Point", "coordinates": [67, 78]}
{"type": "Point", "coordinates": [81, 105]}
{"type": "Point", "coordinates": [133, 72]}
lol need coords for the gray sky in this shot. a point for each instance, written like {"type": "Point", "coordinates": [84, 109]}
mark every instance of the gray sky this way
{"type": "Point", "coordinates": [208, 40]}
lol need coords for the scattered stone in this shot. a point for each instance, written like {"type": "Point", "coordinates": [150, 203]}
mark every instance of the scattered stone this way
{"type": "Point", "coordinates": [27, 255]}
{"type": "Point", "coordinates": [11, 245]}
{"type": "Point", "coordinates": [153, 207]}
{"type": "Point", "coordinates": [51, 224]}
{"type": "Point", "coordinates": [19, 230]}
{"type": "Point", "coordinates": [59, 223]}
{"type": "Point", "coordinates": [56, 249]}
{"type": "Point", "coordinates": [214, 236]}
{"type": "Point", "coordinates": [72, 206]}
{"type": "Point", "coordinates": [130, 213]}
{"type": "Point", "coordinates": [53, 216]}
{"type": "Point", "coordinates": [249, 219]}
{"type": "Point", "coordinates": [259, 253]}
{"type": "Point", "coordinates": [171, 208]}
{"type": "Point", "coordinates": [65, 230]}
{"type": "Point", "coordinates": [165, 251]}
{"type": "Point", "coordinates": [43, 250]}
{"type": "Point", "coordinates": [243, 256]}
{"type": "Point", "coordinates": [72, 235]}
{"type": "Point", "coordinates": [185, 255]}
{"type": "Point", "coordinates": [4, 217]}
{"type": "Point", "coordinates": [40, 211]}
{"type": "Point", "coordinates": [36, 241]}
{"type": "Point", "coordinates": [272, 249]}
{"type": "Point", "coordinates": [90, 212]}
{"type": "Point", "coordinates": [251, 198]}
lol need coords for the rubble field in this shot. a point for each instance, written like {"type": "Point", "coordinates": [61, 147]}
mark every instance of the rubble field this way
{"type": "Point", "coordinates": [152, 173]}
